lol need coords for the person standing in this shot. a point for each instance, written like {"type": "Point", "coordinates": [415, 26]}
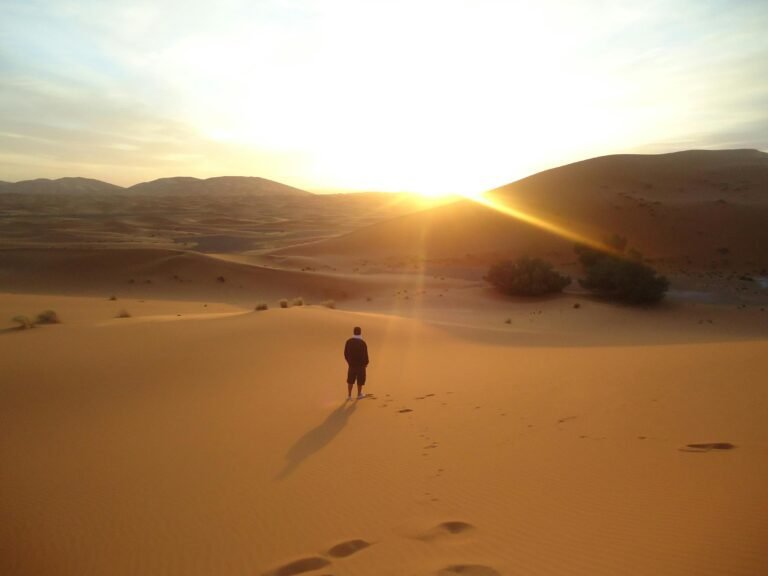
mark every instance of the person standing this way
{"type": "Point", "coordinates": [356, 355]}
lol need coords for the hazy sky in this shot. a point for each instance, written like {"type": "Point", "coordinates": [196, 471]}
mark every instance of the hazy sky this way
{"type": "Point", "coordinates": [422, 95]}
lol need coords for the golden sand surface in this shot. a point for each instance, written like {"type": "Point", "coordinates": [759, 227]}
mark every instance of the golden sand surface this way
{"type": "Point", "coordinates": [166, 427]}
{"type": "Point", "coordinates": [220, 441]}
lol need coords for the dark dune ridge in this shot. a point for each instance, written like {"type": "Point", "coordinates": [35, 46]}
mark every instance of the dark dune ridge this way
{"type": "Point", "coordinates": [690, 207]}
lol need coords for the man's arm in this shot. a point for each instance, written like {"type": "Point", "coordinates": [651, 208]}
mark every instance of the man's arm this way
{"type": "Point", "coordinates": [365, 353]}
{"type": "Point", "coordinates": [346, 351]}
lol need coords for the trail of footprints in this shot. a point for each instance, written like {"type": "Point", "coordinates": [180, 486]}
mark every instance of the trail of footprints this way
{"type": "Point", "coordinates": [449, 529]}
{"type": "Point", "coordinates": [311, 563]}
{"type": "Point", "coordinates": [693, 447]}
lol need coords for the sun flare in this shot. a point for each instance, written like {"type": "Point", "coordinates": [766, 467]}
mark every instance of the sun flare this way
{"type": "Point", "coordinates": [444, 194]}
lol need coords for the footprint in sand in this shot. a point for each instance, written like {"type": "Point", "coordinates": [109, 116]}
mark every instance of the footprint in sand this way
{"type": "Point", "coordinates": [469, 570]}
{"type": "Point", "coordinates": [706, 447]}
{"type": "Point", "coordinates": [446, 529]}
{"type": "Point", "coordinates": [299, 567]}
{"type": "Point", "coordinates": [312, 563]}
{"type": "Point", "coordinates": [454, 527]}
{"type": "Point", "coordinates": [348, 548]}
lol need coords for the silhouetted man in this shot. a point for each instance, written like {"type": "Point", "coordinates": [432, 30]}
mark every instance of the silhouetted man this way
{"type": "Point", "coordinates": [356, 355]}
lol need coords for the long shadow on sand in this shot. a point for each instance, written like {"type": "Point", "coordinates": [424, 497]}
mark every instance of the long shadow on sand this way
{"type": "Point", "coordinates": [314, 440]}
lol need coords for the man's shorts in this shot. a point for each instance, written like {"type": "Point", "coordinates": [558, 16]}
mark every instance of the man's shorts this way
{"type": "Point", "coordinates": [356, 373]}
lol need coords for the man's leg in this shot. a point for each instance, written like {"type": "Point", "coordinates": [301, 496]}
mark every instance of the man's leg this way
{"type": "Point", "coordinates": [350, 381]}
{"type": "Point", "coordinates": [360, 381]}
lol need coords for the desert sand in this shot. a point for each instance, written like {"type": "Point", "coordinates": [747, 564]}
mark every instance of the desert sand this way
{"type": "Point", "coordinates": [558, 436]}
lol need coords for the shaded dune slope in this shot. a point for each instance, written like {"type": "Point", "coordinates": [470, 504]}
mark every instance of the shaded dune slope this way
{"type": "Point", "coordinates": [692, 207]}
{"type": "Point", "coordinates": [159, 273]}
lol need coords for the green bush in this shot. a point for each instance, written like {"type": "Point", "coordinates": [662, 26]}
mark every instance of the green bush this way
{"type": "Point", "coordinates": [526, 277]}
{"type": "Point", "coordinates": [297, 301]}
{"type": "Point", "coordinates": [330, 304]}
{"type": "Point", "coordinates": [260, 307]}
{"type": "Point", "coordinates": [283, 303]}
{"type": "Point", "coordinates": [621, 277]}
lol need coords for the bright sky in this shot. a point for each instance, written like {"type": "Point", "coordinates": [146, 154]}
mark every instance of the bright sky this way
{"type": "Point", "coordinates": [433, 96]}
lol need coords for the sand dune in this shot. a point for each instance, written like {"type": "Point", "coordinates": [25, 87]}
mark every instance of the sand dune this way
{"type": "Point", "coordinates": [561, 436]}
{"type": "Point", "coordinates": [223, 445]}
{"type": "Point", "coordinates": [690, 208]}
{"type": "Point", "coordinates": [184, 275]}
{"type": "Point", "coordinates": [161, 273]}
{"type": "Point", "coordinates": [207, 222]}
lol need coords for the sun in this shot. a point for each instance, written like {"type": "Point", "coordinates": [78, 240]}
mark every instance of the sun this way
{"type": "Point", "coordinates": [437, 193]}
{"type": "Point", "coordinates": [431, 193]}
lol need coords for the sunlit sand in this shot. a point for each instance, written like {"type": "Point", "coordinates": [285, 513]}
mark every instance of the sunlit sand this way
{"type": "Point", "coordinates": [554, 436]}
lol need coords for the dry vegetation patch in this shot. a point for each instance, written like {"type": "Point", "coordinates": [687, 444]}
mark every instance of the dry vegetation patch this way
{"type": "Point", "coordinates": [23, 322]}
{"type": "Point", "coordinates": [48, 317]}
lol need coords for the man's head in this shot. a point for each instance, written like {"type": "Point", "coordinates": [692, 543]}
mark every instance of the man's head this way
{"type": "Point", "coordinates": [357, 331]}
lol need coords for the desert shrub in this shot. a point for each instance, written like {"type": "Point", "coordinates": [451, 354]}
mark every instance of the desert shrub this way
{"type": "Point", "coordinates": [621, 277]}
{"type": "Point", "coordinates": [260, 307]}
{"type": "Point", "coordinates": [526, 277]}
{"type": "Point", "coordinates": [23, 322]}
{"type": "Point", "coordinates": [221, 279]}
{"type": "Point", "coordinates": [330, 304]}
{"type": "Point", "coordinates": [298, 301]}
{"type": "Point", "coordinates": [618, 243]}
{"type": "Point", "coordinates": [123, 314]}
{"type": "Point", "coordinates": [112, 298]}
{"type": "Point", "coordinates": [48, 317]}
{"type": "Point", "coordinates": [283, 303]}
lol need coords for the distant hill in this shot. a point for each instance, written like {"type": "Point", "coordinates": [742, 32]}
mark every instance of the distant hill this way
{"type": "Point", "coordinates": [182, 185]}
{"type": "Point", "coordinates": [60, 186]}
{"type": "Point", "coordinates": [686, 206]}
{"type": "Point", "coordinates": [221, 186]}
